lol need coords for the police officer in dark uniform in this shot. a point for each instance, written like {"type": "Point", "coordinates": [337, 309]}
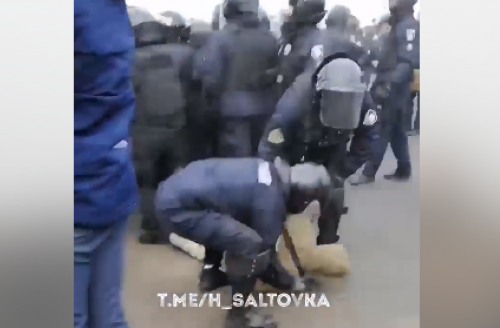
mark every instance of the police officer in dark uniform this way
{"type": "Point", "coordinates": [299, 33]}
{"type": "Point", "coordinates": [338, 29]}
{"type": "Point", "coordinates": [233, 67]}
{"type": "Point", "coordinates": [218, 22]}
{"type": "Point", "coordinates": [201, 121]}
{"type": "Point", "coordinates": [161, 83]}
{"type": "Point", "coordinates": [400, 57]}
{"type": "Point", "coordinates": [325, 109]}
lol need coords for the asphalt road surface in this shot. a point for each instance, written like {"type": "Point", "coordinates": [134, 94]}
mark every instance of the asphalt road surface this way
{"type": "Point", "coordinates": [381, 233]}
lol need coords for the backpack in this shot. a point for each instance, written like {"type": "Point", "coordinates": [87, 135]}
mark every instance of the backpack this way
{"type": "Point", "coordinates": [159, 97]}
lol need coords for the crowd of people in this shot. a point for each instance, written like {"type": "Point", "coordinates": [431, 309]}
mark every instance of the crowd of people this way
{"type": "Point", "coordinates": [220, 130]}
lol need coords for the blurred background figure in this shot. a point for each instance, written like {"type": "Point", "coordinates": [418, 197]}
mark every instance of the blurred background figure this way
{"type": "Point", "coordinates": [218, 19]}
{"type": "Point", "coordinates": [299, 33]}
{"type": "Point", "coordinates": [233, 67]}
{"type": "Point", "coordinates": [391, 90]}
{"type": "Point", "coordinates": [159, 128]}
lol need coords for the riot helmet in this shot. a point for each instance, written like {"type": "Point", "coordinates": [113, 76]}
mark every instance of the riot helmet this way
{"type": "Point", "coordinates": [339, 93]}
{"type": "Point", "coordinates": [147, 29]}
{"type": "Point", "coordinates": [264, 21]}
{"type": "Point", "coordinates": [353, 24]}
{"type": "Point", "coordinates": [236, 8]}
{"type": "Point", "coordinates": [176, 25]}
{"type": "Point", "coordinates": [199, 33]}
{"type": "Point", "coordinates": [138, 15]}
{"type": "Point", "coordinates": [401, 7]}
{"type": "Point", "coordinates": [383, 24]}
{"type": "Point", "coordinates": [338, 18]}
{"type": "Point", "coordinates": [306, 182]}
{"type": "Point", "coordinates": [307, 11]}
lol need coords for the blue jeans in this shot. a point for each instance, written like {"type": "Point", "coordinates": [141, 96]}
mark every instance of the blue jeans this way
{"type": "Point", "coordinates": [98, 266]}
{"type": "Point", "coordinates": [393, 134]}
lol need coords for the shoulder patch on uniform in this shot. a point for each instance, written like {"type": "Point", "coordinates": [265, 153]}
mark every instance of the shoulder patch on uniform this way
{"type": "Point", "coordinates": [370, 118]}
{"type": "Point", "coordinates": [409, 47]}
{"type": "Point", "coordinates": [276, 136]}
{"type": "Point", "coordinates": [264, 174]}
{"type": "Point", "coordinates": [410, 34]}
{"type": "Point", "coordinates": [317, 53]}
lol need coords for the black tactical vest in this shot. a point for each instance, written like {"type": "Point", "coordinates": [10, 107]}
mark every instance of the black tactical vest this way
{"type": "Point", "coordinates": [251, 54]}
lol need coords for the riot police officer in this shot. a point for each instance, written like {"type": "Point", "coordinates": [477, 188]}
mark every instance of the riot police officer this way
{"type": "Point", "coordinates": [233, 68]}
{"type": "Point", "coordinates": [161, 87]}
{"type": "Point", "coordinates": [299, 34]}
{"type": "Point", "coordinates": [316, 118]}
{"type": "Point", "coordinates": [218, 20]}
{"type": "Point", "coordinates": [339, 31]}
{"type": "Point", "coordinates": [391, 89]}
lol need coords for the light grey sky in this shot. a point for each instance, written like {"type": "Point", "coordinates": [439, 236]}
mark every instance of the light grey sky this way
{"type": "Point", "coordinates": [365, 10]}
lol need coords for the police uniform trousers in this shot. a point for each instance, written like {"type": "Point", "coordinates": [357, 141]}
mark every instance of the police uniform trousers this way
{"type": "Point", "coordinates": [391, 132]}
{"type": "Point", "coordinates": [240, 136]}
{"type": "Point", "coordinates": [158, 152]}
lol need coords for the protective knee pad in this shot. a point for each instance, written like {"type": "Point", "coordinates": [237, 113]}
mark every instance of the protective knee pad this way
{"type": "Point", "coordinates": [238, 266]}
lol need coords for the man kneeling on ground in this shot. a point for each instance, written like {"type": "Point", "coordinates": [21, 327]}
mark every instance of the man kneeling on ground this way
{"type": "Point", "coordinates": [239, 206]}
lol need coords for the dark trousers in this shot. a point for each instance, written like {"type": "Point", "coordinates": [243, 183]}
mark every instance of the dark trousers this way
{"type": "Point", "coordinates": [394, 134]}
{"type": "Point", "coordinates": [158, 152]}
{"type": "Point", "coordinates": [240, 137]}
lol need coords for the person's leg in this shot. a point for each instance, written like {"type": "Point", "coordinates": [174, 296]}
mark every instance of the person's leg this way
{"type": "Point", "coordinates": [379, 149]}
{"type": "Point", "coordinates": [234, 138]}
{"type": "Point", "coordinates": [86, 243]}
{"type": "Point", "coordinates": [82, 262]}
{"type": "Point", "coordinates": [106, 289]}
{"type": "Point", "coordinates": [408, 113]}
{"type": "Point", "coordinates": [211, 276]}
{"type": "Point", "coordinates": [400, 148]}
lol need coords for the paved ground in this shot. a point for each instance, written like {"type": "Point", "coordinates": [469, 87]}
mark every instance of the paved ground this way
{"type": "Point", "coordinates": [381, 233]}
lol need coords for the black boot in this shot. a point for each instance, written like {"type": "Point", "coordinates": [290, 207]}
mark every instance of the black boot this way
{"type": "Point", "coordinates": [149, 237]}
{"type": "Point", "coordinates": [247, 316]}
{"type": "Point", "coordinates": [211, 276]}
{"type": "Point", "coordinates": [399, 175]}
{"type": "Point", "coordinates": [328, 224]}
{"type": "Point", "coordinates": [278, 277]}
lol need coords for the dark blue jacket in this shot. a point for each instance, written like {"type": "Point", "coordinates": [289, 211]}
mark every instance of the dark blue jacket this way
{"type": "Point", "coordinates": [227, 186]}
{"type": "Point", "coordinates": [288, 119]}
{"type": "Point", "coordinates": [405, 37]}
{"type": "Point", "coordinates": [212, 65]}
{"type": "Point", "coordinates": [105, 187]}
